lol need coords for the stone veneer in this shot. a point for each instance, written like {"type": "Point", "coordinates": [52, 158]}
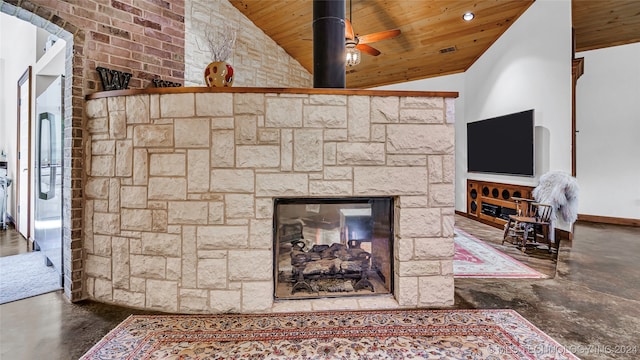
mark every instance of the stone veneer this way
{"type": "Point", "coordinates": [180, 186]}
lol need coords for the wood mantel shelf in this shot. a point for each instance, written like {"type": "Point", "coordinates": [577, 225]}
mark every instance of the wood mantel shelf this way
{"type": "Point", "coordinates": [322, 91]}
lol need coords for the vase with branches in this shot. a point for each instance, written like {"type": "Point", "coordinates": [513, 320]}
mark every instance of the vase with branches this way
{"type": "Point", "coordinates": [219, 73]}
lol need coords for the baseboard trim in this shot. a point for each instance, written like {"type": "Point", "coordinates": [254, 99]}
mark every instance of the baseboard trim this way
{"type": "Point", "coordinates": [608, 220]}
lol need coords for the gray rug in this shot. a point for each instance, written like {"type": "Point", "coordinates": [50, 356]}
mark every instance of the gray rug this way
{"type": "Point", "coordinates": [26, 275]}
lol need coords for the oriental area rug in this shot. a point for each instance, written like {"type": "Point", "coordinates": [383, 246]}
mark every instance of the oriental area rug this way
{"type": "Point", "coordinates": [476, 259]}
{"type": "Point", "coordinates": [389, 334]}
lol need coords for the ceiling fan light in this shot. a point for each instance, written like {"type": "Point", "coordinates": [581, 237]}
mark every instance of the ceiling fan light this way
{"type": "Point", "coordinates": [352, 56]}
{"type": "Point", "coordinates": [468, 16]}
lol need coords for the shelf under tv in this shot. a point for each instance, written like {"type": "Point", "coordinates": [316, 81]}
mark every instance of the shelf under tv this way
{"type": "Point", "coordinates": [488, 201]}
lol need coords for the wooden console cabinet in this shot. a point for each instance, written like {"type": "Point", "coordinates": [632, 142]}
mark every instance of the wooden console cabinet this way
{"type": "Point", "coordinates": [495, 199]}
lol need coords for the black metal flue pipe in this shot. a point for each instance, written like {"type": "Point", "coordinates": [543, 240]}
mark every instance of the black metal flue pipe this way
{"type": "Point", "coordinates": [328, 44]}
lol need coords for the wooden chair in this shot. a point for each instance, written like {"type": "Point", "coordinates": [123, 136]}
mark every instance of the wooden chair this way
{"type": "Point", "coordinates": [530, 228]}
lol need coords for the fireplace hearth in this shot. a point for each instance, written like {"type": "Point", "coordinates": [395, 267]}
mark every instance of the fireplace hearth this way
{"type": "Point", "coordinates": [332, 247]}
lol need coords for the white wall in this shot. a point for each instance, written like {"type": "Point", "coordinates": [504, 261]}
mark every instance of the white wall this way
{"type": "Point", "coordinates": [528, 67]}
{"type": "Point", "coordinates": [17, 52]}
{"type": "Point", "coordinates": [608, 121]}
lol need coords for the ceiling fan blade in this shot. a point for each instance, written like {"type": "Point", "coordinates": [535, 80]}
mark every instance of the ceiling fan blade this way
{"type": "Point", "coordinates": [368, 49]}
{"type": "Point", "coordinates": [348, 30]}
{"type": "Point", "coordinates": [382, 35]}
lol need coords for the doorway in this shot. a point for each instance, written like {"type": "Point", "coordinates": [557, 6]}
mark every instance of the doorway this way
{"type": "Point", "coordinates": [32, 253]}
{"type": "Point", "coordinates": [23, 173]}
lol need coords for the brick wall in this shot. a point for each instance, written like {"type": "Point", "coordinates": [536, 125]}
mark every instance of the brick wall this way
{"type": "Point", "coordinates": [145, 38]}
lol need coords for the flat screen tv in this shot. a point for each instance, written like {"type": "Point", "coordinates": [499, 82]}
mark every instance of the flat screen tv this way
{"type": "Point", "coordinates": [502, 145]}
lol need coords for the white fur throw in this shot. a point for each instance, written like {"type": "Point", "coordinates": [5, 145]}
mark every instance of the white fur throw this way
{"type": "Point", "coordinates": [560, 190]}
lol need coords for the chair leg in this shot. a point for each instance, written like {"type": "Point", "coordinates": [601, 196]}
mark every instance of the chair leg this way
{"type": "Point", "coordinates": [525, 234]}
{"type": "Point", "coordinates": [506, 231]}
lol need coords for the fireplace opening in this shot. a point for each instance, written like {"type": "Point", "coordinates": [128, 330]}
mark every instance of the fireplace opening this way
{"type": "Point", "coordinates": [333, 247]}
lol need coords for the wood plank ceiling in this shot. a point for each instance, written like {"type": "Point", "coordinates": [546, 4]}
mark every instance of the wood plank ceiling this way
{"type": "Point", "coordinates": [428, 27]}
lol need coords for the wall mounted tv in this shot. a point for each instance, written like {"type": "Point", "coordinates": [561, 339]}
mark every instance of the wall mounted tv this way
{"type": "Point", "coordinates": [502, 145]}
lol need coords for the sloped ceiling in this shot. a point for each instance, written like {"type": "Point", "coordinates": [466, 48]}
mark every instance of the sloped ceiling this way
{"type": "Point", "coordinates": [428, 28]}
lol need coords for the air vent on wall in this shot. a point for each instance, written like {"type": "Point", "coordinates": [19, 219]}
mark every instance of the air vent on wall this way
{"type": "Point", "coordinates": [448, 50]}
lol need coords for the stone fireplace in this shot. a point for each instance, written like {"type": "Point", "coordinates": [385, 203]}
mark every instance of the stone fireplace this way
{"type": "Point", "coordinates": [183, 185]}
{"type": "Point", "coordinates": [332, 247]}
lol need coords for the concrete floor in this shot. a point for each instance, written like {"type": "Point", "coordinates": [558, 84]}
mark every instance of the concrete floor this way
{"type": "Point", "coordinates": [591, 306]}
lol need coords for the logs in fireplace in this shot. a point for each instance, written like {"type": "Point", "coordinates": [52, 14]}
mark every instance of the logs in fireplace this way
{"type": "Point", "coordinates": [335, 261]}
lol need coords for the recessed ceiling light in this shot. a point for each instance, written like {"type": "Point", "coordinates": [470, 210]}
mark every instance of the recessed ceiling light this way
{"type": "Point", "coordinates": [468, 16]}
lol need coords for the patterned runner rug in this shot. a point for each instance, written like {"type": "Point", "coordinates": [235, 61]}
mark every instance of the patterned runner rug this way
{"type": "Point", "coordinates": [475, 258]}
{"type": "Point", "coordinates": [390, 334]}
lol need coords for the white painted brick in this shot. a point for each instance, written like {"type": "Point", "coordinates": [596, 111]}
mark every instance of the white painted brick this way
{"type": "Point", "coordinates": [422, 116]}
{"type": "Point", "coordinates": [161, 244]}
{"type": "Point", "coordinates": [436, 291]}
{"type": "Point", "coordinates": [331, 188]}
{"type": "Point", "coordinates": [307, 150]}
{"type": "Point", "coordinates": [261, 234]}
{"type": "Point", "coordinates": [248, 103]}
{"type": "Point", "coordinates": [222, 149]}
{"type": "Point", "coordinates": [222, 237]}
{"type": "Point", "coordinates": [167, 188]}
{"type": "Point", "coordinates": [225, 301]}
{"type": "Point", "coordinates": [162, 295]}
{"type": "Point", "coordinates": [319, 116]}
{"type": "Point", "coordinates": [281, 184]}
{"type": "Point", "coordinates": [102, 165]}
{"type": "Point", "coordinates": [212, 273]}
{"type": "Point", "coordinates": [212, 104]}
{"type": "Point", "coordinates": [283, 112]}
{"type": "Point", "coordinates": [253, 296]}
{"type": "Point", "coordinates": [136, 219]}
{"type": "Point", "coordinates": [96, 108]}
{"type": "Point", "coordinates": [153, 135]}
{"type": "Point", "coordinates": [246, 131]}
{"type": "Point", "coordinates": [193, 300]}
{"type": "Point", "coordinates": [419, 268]}
{"type": "Point", "coordinates": [232, 181]}
{"type": "Point", "coordinates": [420, 139]}
{"type": "Point", "coordinates": [133, 197]}
{"type": "Point", "coordinates": [239, 206]}
{"type": "Point", "coordinates": [260, 156]}
{"type": "Point", "coordinates": [390, 181]}
{"type": "Point", "coordinates": [359, 113]}
{"type": "Point", "coordinates": [137, 109]}
{"type": "Point", "coordinates": [167, 165]}
{"type": "Point", "coordinates": [150, 267]}
{"type": "Point", "coordinates": [177, 105]}
{"type": "Point", "coordinates": [260, 269]}
{"type": "Point", "coordinates": [420, 222]}
{"type": "Point", "coordinates": [360, 154]}
{"type": "Point", "coordinates": [407, 290]}
{"type": "Point", "coordinates": [198, 170]}
{"type": "Point", "coordinates": [442, 195]}
{"type": "Point", "coordinates": [385, 109]}
{"type": "Point", "coordinates": [191, 133]}
{"type": "Point", "coordinates": [97, 188]}
{"type": "Point", "coordinates": [188, 212]}
{"type": "Point", "coordinates": [286, 150]}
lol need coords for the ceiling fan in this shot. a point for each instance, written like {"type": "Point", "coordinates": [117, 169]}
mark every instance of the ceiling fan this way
{"type": "Point", "coordinates": [353, 41]}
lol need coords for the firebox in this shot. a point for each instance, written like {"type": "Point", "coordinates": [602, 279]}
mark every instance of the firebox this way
{"type": "Point", "coordinates": [331, 247]}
